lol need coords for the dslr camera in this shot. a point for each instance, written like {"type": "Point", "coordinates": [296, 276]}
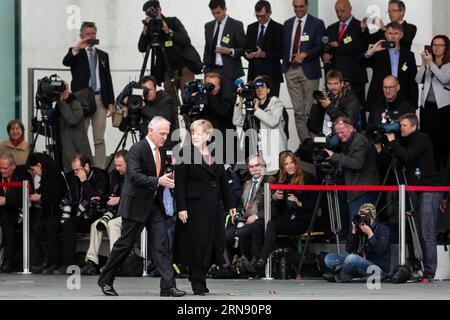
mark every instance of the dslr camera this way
{"type": "Point", "coordinates": [104, 220]}
{"type": "Point", "coordinates": [195, 98]}
{"type": "Point", "coordinates": [388, 125]}
{"type": "Point", "coordinates": [322, 95]}
{"type": "Point", "coordinates": [66, 206]}
{"type": "Point", "coordinates": [90, 209]}
{"type": "Point", "coordinates": [154, 25]}
{"type": "Point", "coordinates": [360, 220]}
{"type": "Point", "coordinates": [240, 219]}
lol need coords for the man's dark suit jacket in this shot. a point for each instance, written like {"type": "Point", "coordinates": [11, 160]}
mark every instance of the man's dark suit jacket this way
{"type": "Point", "coordinates": [234, 29]}
{"type": "Point", "coordinates": [315, 29]}
{"type": "Point", "coordinates": [79, 67]}
{"type": "Point", "coordinates": [272, 45]}
{"type": "Point", "coordinates": [409, 33]}
{"type": "Point", "coordinates": [349, 58]}
{"type": "Point", "coordinates": [380, 62]}
{"type": "Point", "coordinates": [180, 52]}
{"type": "Point", "coordinates": [13, 196]}
{"type": "Point", "coordinates": [141, 183]}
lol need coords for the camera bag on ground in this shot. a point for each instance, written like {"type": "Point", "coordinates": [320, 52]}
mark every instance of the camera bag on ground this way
{"type": "Point", "coordinates": [87, 100]}
{"type": "Point", "coordinates": [401, 274]}
{"type": "Point", "coordinates": [132, 266]}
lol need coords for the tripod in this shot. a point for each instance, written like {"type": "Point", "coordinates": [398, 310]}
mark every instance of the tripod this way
{"type": "Point", "coordinates": [153, 46]}
{"type": "Point", "coordinates": [334, 213]}
{"type": "Point", "coordinates": [414, 235]}
{"type": "Point", "coordinates": [123, 141]}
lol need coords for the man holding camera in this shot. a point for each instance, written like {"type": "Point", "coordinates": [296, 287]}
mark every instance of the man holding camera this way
{"type": "Point", "coordinates": [358, 162]}
{"type": "Point", "coordinates": [246, 230]}
{"type": "Point", "coordinates": [92, 84]}
{"type": "Point", "coordinates": [415, 149]}
{"type": "Point", "coordinates": [224, 47]}
{"type": "Point", "coordinates": [85, 183]}
{"type": "Point", "coordinates": [368, 245]}
{"type": "Point", "coordinates": [335, 101]}
{"type": "Point", "coordinates": [386, 58]}
{"type": "Point", "coordinates": [109, 221]}
{"type": "Point", "coordinates": [156, 103]}
{"type": "Point", "coordinates": [182, 58]}
{"type": "Point", "coordinates": [71, 126]}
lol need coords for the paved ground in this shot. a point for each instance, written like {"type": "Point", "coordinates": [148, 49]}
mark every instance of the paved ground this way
{"type": "Point", "coordinates": [38, 287]}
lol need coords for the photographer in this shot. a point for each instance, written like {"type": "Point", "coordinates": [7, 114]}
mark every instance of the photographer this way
{"type": "Point", "coordinates": [184, 61]}
{"type": "Point", "coordinates": [266, 119]}
{"type": "Point", "coordinates": [358, 162]}
{"type": "Point", "coordinates": [156, 103]}
{"type": "Point", "coordinates": [415, 149]}
{"type": "Point", "coordinates": [368, 245]}
{"type": "Point", "coordinates": [10, 207]}
{"type": "Point", "coordinates": [72, 131]}
{"type": "Point", "coordinates": [109, 222]}
{"type": "Point", "coordinates": [293, 209]}
{"type": "Point", "coordinates": [85, 182]}
{"type": "Point", "coordinates": [335, 101]}
{"type": "Point", "coordinates": [246, 231]}
{"type": "Point", "coordinates": [46, 247]}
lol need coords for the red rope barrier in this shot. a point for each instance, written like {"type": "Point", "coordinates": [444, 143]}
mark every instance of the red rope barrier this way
{"type": "Point", "coordinates": [355, 188]}
{"type": "Point", "coordinates": [11, 184]}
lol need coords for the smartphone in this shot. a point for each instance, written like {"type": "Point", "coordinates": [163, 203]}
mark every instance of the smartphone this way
{"type": "Point", "coordinates": [428, 48]}
{"type": "Point", "coordinates": [388, 45]}
{"type": "Point", "coordinates": [93, 42]}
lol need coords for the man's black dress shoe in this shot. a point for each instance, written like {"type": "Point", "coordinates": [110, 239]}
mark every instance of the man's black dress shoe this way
{"type": "Point", "coordinates": [172, 292]}
{"type": "Point", "coordinates": [108, 290]}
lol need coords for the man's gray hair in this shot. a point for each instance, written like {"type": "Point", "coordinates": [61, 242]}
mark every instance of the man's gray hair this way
{"type": "Point", "coordinates": [8, 156]}
{"type": "Point", "coordinates": [256, 156]}
{"type": "Point", "coordinates": [156, 122]}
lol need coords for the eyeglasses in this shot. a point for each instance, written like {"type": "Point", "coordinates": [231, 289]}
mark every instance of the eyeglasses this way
{"type": "Point", "coordinates": [389, 88]}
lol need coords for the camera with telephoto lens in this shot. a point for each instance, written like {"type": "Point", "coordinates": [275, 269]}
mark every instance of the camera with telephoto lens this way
{"type": "Point", "coordinates": [66, 206]}
{"type": "Point", "coordinates": [169, 169]}
{"type": "Point", "coordinates": [195, 98]}
{"type": "Point", "coordinates": [90, 209]}
{"type": "Point", "coordinates": [155, 25]}
{"type": "Point", "coordinates": [104, 220]}
{"type": "Point", "coordinates": [322, 95]}
{"type": "Point", "coordinates": [360, 220]}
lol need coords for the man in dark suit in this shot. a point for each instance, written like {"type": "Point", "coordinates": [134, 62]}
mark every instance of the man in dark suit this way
{"type": "Point", "coordinates": [398, 62]}
{"type": "Point", "coordinates": [396, 12]}
{"type": "Point", "coordinates": [347, 45]}
{"type": "Point", "coordinates": [90, 69]}
{"type": "Point", "coordinates": [141, 205]}
{"type": "Point", "coordinates": [264, 47]}
{"type": "Point", "coordinates": [184, 61]}
{"type": "Point", "coordinates": [224, 46]}
{"type": "Point", "coordinates": [302, 45]}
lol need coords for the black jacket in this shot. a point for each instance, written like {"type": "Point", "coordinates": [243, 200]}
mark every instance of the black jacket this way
{"type": "Point", "coordinates": [347, 104]}
{"type": "Point", "coordinates": [117, 180]}
{"type": "Point", "coordinates": [416, 151]}
{"type": "Point", "coordinates": [349, 57]}
{"type": "Point", "coordinates": [380, 62]}
{"type": "Point", "coordinates": [409, 33]}
{"type": "Point", "coordinates": [178, 48]}
{"type": "Point", "coordinates": [97, 185]}
{"type": "Point", "coordinates": [13, 196]}
{"type": "Point", "coordinates": [272, 45]}
{"type": "Point", "coordinates": [52, 189]}
{"type": "Point", "coordinates": [394, 109]}
{"type": "Point", "coordinates": [377, 249]}
{"type": "Point", "coordinates": [79, 67]}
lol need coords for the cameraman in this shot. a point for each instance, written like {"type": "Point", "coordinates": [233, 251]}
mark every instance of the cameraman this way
{"type": "Point", "coordinates": [415, 149]}
{"type": "Point", "coordinates": [337, 101]}
{"type": "Point", "coordinates": [156, 103]}
{"type": "Point", "coordinates": [358, 162]}
{"type": "Point", "coordinates": [109, 221]}
{"type": "Point", "coordinates": [72, 131]}
{"type": "Point", "coordinates": [184, 61]}
{"type": "Point", "coordinates": [249, 234]}
{"type": "Point", "coordinates": [85, 182]}
{"type": "Point", "coordinates": [267, 120]}
{"type": "Point", "coordinates": [368, 245]}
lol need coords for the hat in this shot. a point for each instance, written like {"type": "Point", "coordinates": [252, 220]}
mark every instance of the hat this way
{"type": "Point", "coordinates": [368, 209]}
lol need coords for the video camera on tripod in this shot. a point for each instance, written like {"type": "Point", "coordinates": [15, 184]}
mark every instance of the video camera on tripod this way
{"type": "Point", "coordinates": [378, 134]}
{"type": "Point", "coordinates": [135, 95]}
{"type": "Point", "coordinates": [195, 98]}
{"type": "Point", "coordinates": [248, 93]}
{"type": "Point", "coordinates": [48, 92]}
{"type": "Point", "coordinates": [154, 26]}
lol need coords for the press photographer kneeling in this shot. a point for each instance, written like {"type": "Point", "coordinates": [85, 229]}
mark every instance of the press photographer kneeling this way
{"type": "Point", "coordinates": [368, 245]}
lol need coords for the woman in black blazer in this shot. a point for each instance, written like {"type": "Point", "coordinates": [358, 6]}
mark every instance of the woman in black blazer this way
{"type": "Point", "coordinates": [202, 194]}
{"type": "Point", "coordinates": [46, 227]}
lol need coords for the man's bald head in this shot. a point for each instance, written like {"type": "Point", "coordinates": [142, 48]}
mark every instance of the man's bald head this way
{"type": "Point", "coordinates": [343, 10]}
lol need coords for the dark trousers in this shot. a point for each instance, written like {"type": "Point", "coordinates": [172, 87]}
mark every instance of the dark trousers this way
{"type": "Point", "coordinates": [281, 227]}
{"type": "Point", "coordinates": [46, 245]}
{"type": "Point", "coordinates": [70, 228]}
{"type": "Point", "coordinates": [131, 231]}
{"type": "Point", "coordinates": [198, 278]}
{"type": "Point", "coordinates": [251, 238]}
{"type": "Point", "coordinates": [9, 225]}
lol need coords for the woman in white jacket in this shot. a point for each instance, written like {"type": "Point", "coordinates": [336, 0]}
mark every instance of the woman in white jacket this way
{"type": "Point", "coordinates": [268, 122]}
{"type": "Point", "coordinates": [434, 74]}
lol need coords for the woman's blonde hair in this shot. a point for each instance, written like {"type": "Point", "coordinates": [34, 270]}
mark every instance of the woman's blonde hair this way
{"type": "Point", "coordinates": [202, 125]}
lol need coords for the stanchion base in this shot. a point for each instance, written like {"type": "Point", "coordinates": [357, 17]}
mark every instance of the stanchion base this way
{"type": "Point", "coordinates": [24, 273]}
{"type": "Point", "coordinates": [267, 278]}
{"type": "Point", "coordinates": [145, 274]}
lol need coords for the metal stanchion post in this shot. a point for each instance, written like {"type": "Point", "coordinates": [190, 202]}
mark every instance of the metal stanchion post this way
{"type": "Point", "coordinates": [26, 228]}
{"type": "Point", "coordinates": [267, 217]}
{"type": "Point", "coordinates": [402, 225]}
{"type": "Point", "coordinates": [144, 251]}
